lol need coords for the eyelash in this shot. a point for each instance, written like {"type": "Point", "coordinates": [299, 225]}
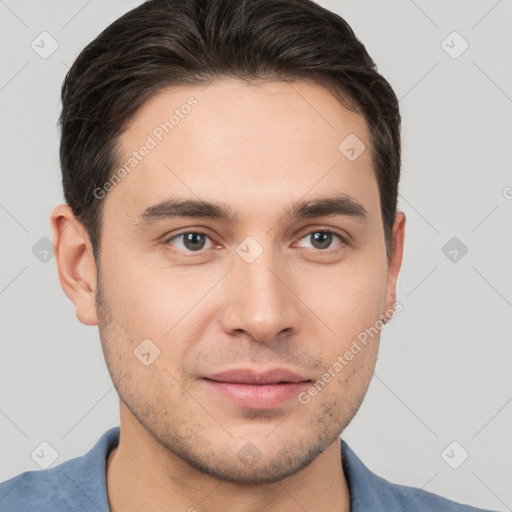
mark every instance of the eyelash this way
{"type": "Point", "coordinates": [342, 239]}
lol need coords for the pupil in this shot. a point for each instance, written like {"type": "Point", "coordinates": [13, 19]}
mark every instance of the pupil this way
{"type": "Point", "coordinates": [194, 241]}
{"type": "Point", "coordinates": [321, 239]}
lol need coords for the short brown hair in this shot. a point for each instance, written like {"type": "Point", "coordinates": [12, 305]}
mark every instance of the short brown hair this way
{"type": "Point", "coordinates": [163, 43]}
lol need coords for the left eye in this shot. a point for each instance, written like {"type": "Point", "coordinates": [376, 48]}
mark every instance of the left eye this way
{"type": "Point", "coordinates": [321, 239]}
{"type": "Point", "coordinates": [190, 241]}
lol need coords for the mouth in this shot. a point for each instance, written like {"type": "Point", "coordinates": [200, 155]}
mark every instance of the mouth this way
{"type": "Point", "coordinates": [254, 390]}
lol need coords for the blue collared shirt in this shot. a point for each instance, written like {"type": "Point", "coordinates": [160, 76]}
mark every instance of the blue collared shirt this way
{"type": "Point", "coordinates": [79, 484]}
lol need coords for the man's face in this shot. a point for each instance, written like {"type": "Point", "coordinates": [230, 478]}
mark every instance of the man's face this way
{"type": "Point", "coordinates": [263, 291]}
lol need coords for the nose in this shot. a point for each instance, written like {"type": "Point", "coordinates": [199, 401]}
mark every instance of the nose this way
{"type": "Point", "coordinates": [260, 301]}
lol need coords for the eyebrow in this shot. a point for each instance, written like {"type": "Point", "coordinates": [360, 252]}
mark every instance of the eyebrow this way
{"type": "Point", "coordinates": [337, 205]}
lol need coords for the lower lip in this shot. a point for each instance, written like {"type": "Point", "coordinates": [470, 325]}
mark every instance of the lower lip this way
{"type": "Point", "coordinates": [254, 396]}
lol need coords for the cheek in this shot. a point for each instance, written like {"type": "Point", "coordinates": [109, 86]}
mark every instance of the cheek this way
{"type": "Point", "coordinates": [152, 298]}
{"type": "Point", "coordinates": [351, 299]}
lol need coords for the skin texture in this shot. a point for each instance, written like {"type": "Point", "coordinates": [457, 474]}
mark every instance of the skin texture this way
{"type": "Point", "coordinates": [259, 149]}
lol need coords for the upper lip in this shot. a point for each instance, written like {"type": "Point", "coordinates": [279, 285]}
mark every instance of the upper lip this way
{"type": "Point", "coordinates": [249, 376]}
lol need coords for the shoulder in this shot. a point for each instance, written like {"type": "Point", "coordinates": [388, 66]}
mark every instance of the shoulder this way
{"type": "Point", "coordinates": [77, 484]}
{"type": "Point", "coordinates": [411, 499]}
{"type": "Point", "coordinates": [35, 490]}
{"type": "Point", "coordinates": [372, 492]}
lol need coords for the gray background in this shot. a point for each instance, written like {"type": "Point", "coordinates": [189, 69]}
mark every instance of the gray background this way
{"type": "Point", "coordinates": [444, 371]}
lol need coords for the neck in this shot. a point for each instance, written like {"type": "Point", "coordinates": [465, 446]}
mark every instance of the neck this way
{"type": "Point", "coordinates": [142, 475]}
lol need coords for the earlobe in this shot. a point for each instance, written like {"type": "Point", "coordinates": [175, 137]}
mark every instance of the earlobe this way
{"type": "Point", "coordinates": [395, 262]}
{"type": "Point", "coordinates": [75, 263]}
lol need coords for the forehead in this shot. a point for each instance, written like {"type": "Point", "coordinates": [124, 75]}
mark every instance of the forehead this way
{"type": "Point", "coordinates": [249, 145]}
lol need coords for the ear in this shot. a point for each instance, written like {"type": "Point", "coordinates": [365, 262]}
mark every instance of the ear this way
{"type": "Point", "coordinates": [395, 261]}
{"type": "Point", "coordinates": [75, 263]}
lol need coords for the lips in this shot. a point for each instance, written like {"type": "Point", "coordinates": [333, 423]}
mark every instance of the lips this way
{"type": "Point", "coordinates": [247, 376]}
{"type": "Point", "coordinates": [249, 389]}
